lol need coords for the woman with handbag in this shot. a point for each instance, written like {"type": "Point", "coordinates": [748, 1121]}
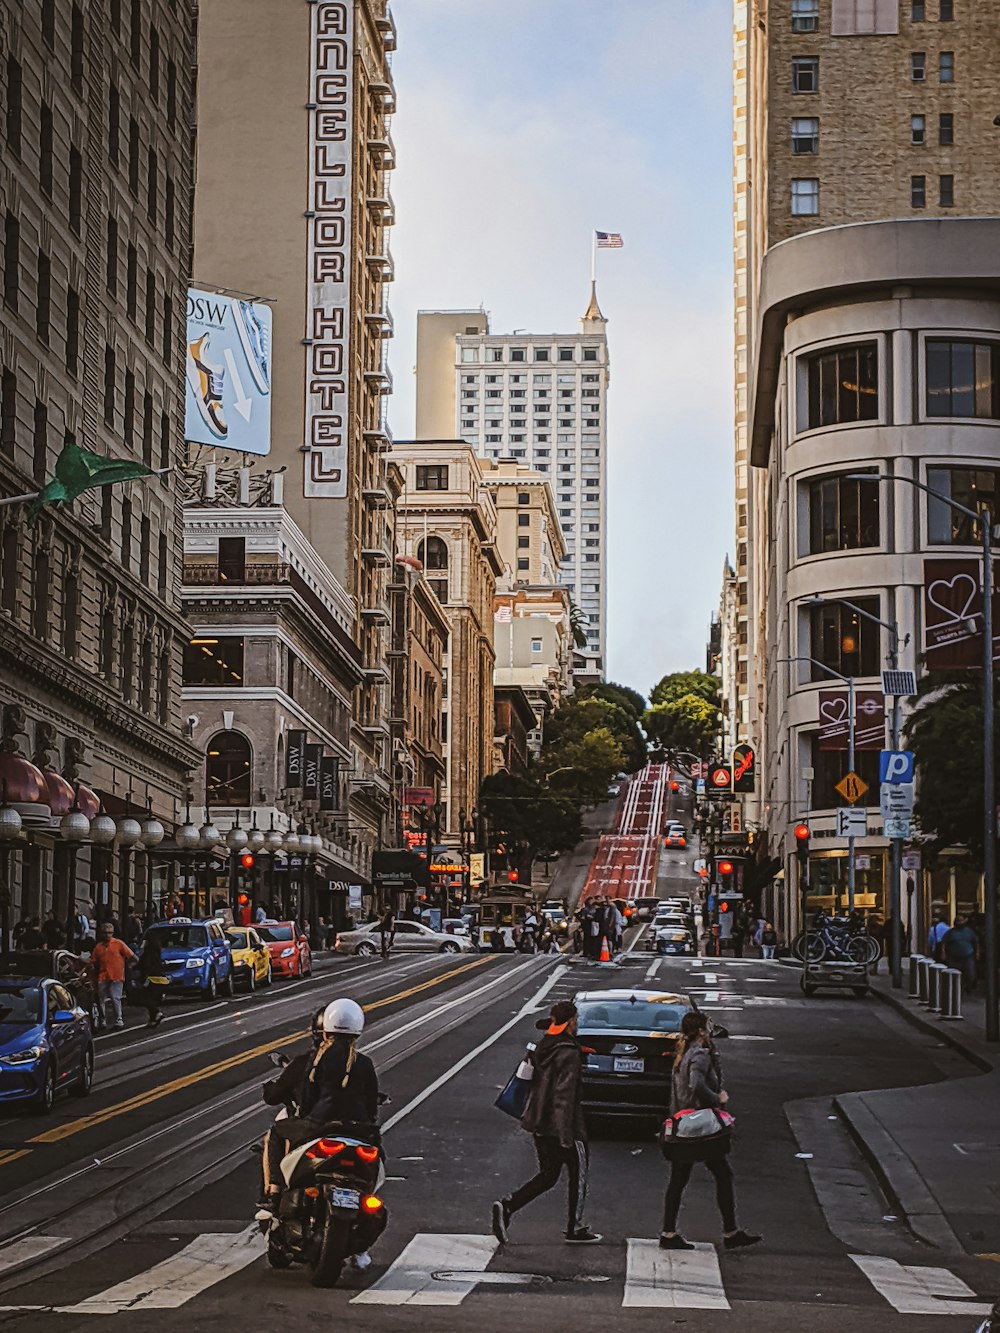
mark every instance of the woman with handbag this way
{"type": "Point", "coordinates": [154, 983]}
{"type": "Point", "coordinates": [689, 1137]}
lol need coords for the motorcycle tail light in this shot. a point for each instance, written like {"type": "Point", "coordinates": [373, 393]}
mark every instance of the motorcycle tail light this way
{"type": "Point", "coordinates": [326, 1148]}
{"type": "Point", "coordinates": [311, 1192]}
{"type": "Point", "coordinates": [366, 1153]}
{"type": "Point", "coordinates": [371, 1203]}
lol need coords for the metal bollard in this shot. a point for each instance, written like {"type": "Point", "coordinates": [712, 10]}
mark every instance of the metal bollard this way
{"type": "Point", "coordinates": [936, 987]}
{"type": "Point", "coordinates": [951, 998]}
{"type": "Point", "coordinates": [915, 959]}
{"type": "Point", "coordinates": [923, 979]}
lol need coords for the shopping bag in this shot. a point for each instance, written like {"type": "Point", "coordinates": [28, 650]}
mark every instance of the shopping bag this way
{"type": "Point", "coordinates": [514, 1098]}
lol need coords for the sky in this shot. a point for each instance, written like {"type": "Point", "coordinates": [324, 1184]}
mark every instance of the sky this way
{"type": "Point", "coordinates": [522, 126]}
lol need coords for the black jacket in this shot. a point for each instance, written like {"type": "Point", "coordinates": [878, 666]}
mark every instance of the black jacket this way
{"type": "Point", "coordinates": [323, 1097]}
{"type": "Point", "coordinates": [284, 1090]}
{"type": "Point", "coordinates": [553, 1109]}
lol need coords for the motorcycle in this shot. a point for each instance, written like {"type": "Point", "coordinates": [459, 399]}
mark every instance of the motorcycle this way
{"type": "Point", "coordinates": [991, 1324]}
{"type": "Point", "coordinates": [329, 1210]}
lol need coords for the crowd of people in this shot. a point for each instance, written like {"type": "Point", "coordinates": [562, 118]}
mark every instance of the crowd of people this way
{"type": "Point", "coordinates": [600, 919]}
{"type": "Point", "coordinates": [960, 945]}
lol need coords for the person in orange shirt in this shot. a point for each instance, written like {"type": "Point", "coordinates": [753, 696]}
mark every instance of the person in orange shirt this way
{"type": "Point", "coordinates": [108, 962]}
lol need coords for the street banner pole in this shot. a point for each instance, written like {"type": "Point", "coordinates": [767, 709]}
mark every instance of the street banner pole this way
{"type": "Point", "coordinates": [850, 769]}
{"type": "Point", "coordinates": [989, 787]}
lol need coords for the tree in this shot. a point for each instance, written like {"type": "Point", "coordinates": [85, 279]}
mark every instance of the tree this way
{"type": "Point", "coordinates": [626, 698]}
{"type": "Point", "coordinates": [678, 684]}
{"type": "Point", "coordinates": [578, 623]}
{"type": "Point", "coordinates": [587, 765]}
{"type": "Point", "coordinates": [586, 712]}
{"type": "Point", "coordinates": [686, 723]}
{"type": "Point", "coordinates": [533, 818]}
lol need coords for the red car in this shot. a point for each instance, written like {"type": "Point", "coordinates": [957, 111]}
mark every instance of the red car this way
{"type": "Point", "coordinates": [288, 947]}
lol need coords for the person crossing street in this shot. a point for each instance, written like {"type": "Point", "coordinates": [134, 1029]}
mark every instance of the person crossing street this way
{"type": "Point", "coordinates": [108, 964]}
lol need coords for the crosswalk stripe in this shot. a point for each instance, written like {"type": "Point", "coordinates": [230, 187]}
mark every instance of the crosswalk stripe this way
{"type": "Point", "coordinates": [30, 1247]}
{"type": "Point", "coordinates": [207, 1260]}
{"type": "Point", "coordinates": [914, 1289]}
{"type": "Point", "coordinates": [410, 1279]}
{"type": "Point", "coordinates": [673, 1279]}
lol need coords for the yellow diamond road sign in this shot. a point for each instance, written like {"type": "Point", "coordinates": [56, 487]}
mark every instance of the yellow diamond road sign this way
{"type": "Point", "coordinates": [851, 787]}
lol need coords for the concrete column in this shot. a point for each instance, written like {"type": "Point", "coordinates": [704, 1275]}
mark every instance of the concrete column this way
{"type": "Point", "coordinates": [902, 377]}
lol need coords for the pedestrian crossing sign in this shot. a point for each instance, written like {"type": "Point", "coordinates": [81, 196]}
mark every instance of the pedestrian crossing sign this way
{"type": "Point", "coordinates": [851, 787]}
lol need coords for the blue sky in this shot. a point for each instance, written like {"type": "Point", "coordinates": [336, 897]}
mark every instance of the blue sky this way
{"type": "Point", "coordinates": [523, 125]}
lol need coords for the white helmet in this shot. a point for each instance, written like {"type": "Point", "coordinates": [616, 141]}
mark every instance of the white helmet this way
{"type": "Point", "coordinates": [343, 1017]}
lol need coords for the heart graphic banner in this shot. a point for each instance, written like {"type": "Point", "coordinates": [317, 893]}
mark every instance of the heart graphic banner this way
{"type": "Point", "coordinates": [953, 615]}
{"type": "Point", "coordinates": [869, 720]}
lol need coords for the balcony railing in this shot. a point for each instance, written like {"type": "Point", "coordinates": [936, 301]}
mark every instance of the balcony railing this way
{"type": "Point", "coordinates": [235, 575]}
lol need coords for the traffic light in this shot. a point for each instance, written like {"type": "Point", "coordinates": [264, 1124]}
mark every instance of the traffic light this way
{"type": "Point", "coordinates": [513, 876]}
{"type": "Point", "coordinates": [675, 786]}
{"type": "Point", "coordinates": [248, 860]}
{"type": "Point", "coordinates": [802, 852]}
{"type": "Point", "coordinates": [243, 899]}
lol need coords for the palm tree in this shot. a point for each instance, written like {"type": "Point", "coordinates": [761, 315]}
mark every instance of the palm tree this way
{"type": "Point", "coordinates": [578, 625]}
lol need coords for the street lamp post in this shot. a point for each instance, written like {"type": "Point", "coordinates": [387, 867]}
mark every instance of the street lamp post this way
{"type": "Point", "coordinates": [984, 520]}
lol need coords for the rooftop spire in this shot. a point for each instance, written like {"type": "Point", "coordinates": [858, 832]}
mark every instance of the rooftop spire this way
{"type": "Point", "coordinates": [594, 310]}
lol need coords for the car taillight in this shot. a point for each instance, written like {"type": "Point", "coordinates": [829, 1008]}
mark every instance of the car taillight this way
{"type": "Point", "coordinates": [588, 1050]}
{"type": "Point", "coordinates": [336, 943]}
{"type": "Point", "coordinates": [326, 1148]}
{"type": "Point", "coordinates": [371, 1203]}
{"type": "Point", "coordinates": [366, 1153]}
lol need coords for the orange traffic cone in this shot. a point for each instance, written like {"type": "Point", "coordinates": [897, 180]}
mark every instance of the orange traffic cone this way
{"type": "Point", "coordinates": [605, 951]}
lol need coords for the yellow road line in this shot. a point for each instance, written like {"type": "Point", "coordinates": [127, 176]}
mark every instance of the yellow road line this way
{"type": "Point", "coordinates": [151, 1095]}
{"type": "Point", "coordinates": [12, 1156]}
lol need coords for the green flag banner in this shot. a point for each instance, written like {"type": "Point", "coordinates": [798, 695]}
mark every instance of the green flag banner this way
{"type": "Point", "coordinates": [79, 470]}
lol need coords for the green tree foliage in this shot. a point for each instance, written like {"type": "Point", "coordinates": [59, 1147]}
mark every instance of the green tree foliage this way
{"type": "Point", "coordinates": [586, 765]}
{"type": "Point", "coordinates": [681, 683]}
{"type": "Point", "coordinates": [578, 623]}
{"type": "Point", "coordinates": [585, 712]}
{"type": "Point", "coordinates": [945, 733]}
{"type": "Point", "coordinates": [622, 695]}
{"type": "Point", "coordinates": [532, 817]}
{"type": "Point", "coordinates": [688, 722]}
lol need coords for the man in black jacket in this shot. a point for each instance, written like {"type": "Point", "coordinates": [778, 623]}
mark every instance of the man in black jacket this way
{"type": "Point", "coordinates": [555, 1118]}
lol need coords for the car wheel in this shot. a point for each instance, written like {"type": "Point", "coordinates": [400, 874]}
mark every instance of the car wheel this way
{"type": "Point", "coordinates": [448, 947]}
{"type": "Point", "coordinates": [365, 950]}
{"type": "Point", "coordinates": [228, 987]}
{"type": "Point", "coordinates": [860, 991]}
{"type": "Point", "coordinates": [269, 977]}
{"type": "Point", "coordinates": [47, 1096]}
{"type": "Point", "coordinates": [86, 1079]}
{"type": "Point", "coordinates": [807, 989]}
{"type": "Point", "coordinates": [252, 980]}
{"type": "Point", "coordinates": [212, 989]}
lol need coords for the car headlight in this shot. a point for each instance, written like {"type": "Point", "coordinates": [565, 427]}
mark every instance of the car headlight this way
{"type": "Point", "coordinates": [195, 962]}
{"type": "Point", "coordinates": [25, 1057]}
{"type": "Point", "coordinates": [287, 953]}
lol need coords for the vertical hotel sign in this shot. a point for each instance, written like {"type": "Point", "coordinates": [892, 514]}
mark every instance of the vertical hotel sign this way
{"type": "Point", "coordinates": [329, 249]}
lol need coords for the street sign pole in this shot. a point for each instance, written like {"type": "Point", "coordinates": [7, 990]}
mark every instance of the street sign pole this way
{"type": "Point", "coordinates": [989, 788]}
{"type": "Point", "coordinates": [896, 854]}
{"type": "Point", "coordinates": [850, 769]}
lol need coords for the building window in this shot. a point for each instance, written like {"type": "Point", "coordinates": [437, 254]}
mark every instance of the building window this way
{"type": "Point", "coordinates": [541, 354]}
{"type": "Point", "coordinates": [41, 595]}
{"type": "Point", "coordinates": [963, 378]}
{"type": "Point", "coordinates": [214, 661]}
{"type": "Point", "coordinates": [946, 128]}
{"type": "Point", "coordinates": [523, 543]}
{"type": "Point", "coordinates": [227, 769]}
{"type": "Point", "coordinates": [168, 212]}
{"type": "Point", "coordinates": [152, 170]}
{"type": "Point", "coordinates": [918, 10]}
{"type": "Point", "coordinates": [843, 640]}
{"type": "Point", "coordinates": [918, 129]}
{"type": "Point", "coordinates": [45, 138]}
{"type": "Point", "coordinates": [70, 612]}
{"type": "Point", "coordinates": [126, 554]}
{"type": "Point", "coordinates": [162, 565]}
{"type": "Point", "coordinates": [133, 155]}
{"type": "Point", "coordinates": [49, 23]}
{"type": "Point", "coordinates": [432, 477]}
{"type": "Point", "coordinates": [111, 258]}
{"type": "Point", "coordinates": [8, 568]}
{"type": "Point", "coordinates": [232, 559]}
{"type": "Point", "coordinates": [918, 66]}
{"type": "Point", "coordinates": [494, 354]}
{"type": "Point", "coordinates": [805, 196]}
{"type": "Point", "coordinates": [517, 354]}
{"type": "Point", "coordinates": [918, 191]}
{"type": "Point", "coordinates": [11, 261]}
{"type": "Point", "coordinates": [843, 514]}
{"type": "Point", "coordinates": [947, 12]}
{"type": "Point", "coordinates": [76, 49]}
{"type": "Point", "coordinates": [590, 354]}
{"type": "Point", "coordinates": [805, 135]}
{"type": "Point", "coordinates": [131, 281]}
{"type": "Point", "coordinates": [150, 311]}
{"type": "Point", "coordinates": [805, 74]}
{"type": "Point", "coordinates": [72, 330]}
{"type": "Point", "coordinates": [975, 488]}
{"type": "Point", "coordinates": [171, 93]}
{"type": "Point", "coordinates": [439, 587]}
{"type": "Point", "coordinates": [469, 354]}
{"type": "Point", "coordinates": [433, 554]}
{"type": "Point", "coordinates": [40, 444]}
{"type": "Point", "coordinates": [144, 552]}
{"type": "Point", "coordinates": [805, 15]}
{"type": "Point", "coordinates": [106, 655]}
{"type": "Point", "coordinates": [75, 191]}
{"type": "Point", "coordinates": [44, 296]}
{"type": "Point", "coordinates": [167, 333]}
{"type": "Point", "coordinates": [128, 411]}
{"type": "Point", "coordinates": [147, 428]}
{"type": "Point", "coordinates": [946, 191]}
{"type": "Point", "coordinates": [154, 64]}
{"type": "Point", "coordinates": [523, 563]}
{"type": "Point", "coordinates": [109, 386]}
{"type": "Point", "coordinates": [839, 385]}
{"type": "Point", "coordinates": [946, 66]}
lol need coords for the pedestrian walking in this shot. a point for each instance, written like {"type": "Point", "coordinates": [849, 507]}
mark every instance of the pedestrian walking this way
{"type": "Point", "coordinates": [387, 931]}
{"type": "Point", "coordinates": [107, 962]}
{"type": "Point", "coordinates": [768, 940]}
{"type": "Point", "coordinates": [960, 946]}
{"type": "Point", "coordinates": [52, 931]}
{"type": "Point", "coordinates": [554, 1117]}
{"type": "Point", "coordinates": [696, 1084]}
{"type": "Point", "coordinates": [936, 934]}
{"type": "Point", "coordinates": [132, 934]}
{"type": "Point", "coordinates": [20, 926]}
{"type": "Point", "coordinates": [32, 937]}
{"type": "Point", "coordinates": [154, 983]}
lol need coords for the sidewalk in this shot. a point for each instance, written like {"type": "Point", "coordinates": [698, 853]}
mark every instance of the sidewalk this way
{"type": "Point", "coordinates": [936, 1149]}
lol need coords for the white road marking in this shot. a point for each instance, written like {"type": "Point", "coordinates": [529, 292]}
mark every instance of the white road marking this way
{"type": "Point", "coordinates": [653, 968]}
{"type": "Point", "coordinates": [29, 1247]}
{"type": "Point", "coordinates": [673, 1279]}
{"type": "Point", "coordinates": [912, 1289]}
{"type": "Point", "coordinates": [166, 1286]}
{"type": "Point", "coordinates": [710, 978]}
{"type": "Point", "coordinates": [410, 1279]}
{"type": "Point", "coordinates": [746, 1036]}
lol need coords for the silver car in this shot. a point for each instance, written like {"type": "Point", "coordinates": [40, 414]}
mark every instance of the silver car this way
{"type": "Point", "coordinates": [410, 937]}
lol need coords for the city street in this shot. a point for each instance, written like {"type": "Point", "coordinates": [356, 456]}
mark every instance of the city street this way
{"type": "Point", "coordinates": [141, 1199]}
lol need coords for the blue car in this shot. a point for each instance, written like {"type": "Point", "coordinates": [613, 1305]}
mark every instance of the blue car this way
{"type": "Point", "coordinates": [46, 1043]}
{"type": "Point", "coordinates": [196, 956]}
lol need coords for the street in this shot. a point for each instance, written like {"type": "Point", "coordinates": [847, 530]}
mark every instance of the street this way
{"type": "Point", "coordinates": [143, 1202]}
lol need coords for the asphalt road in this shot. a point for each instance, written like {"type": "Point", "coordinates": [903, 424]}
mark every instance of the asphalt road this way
{"type": "Point", "coordinates": [137, 1201]}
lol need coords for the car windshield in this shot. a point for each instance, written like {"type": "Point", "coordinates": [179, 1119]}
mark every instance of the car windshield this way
{"type": "Point", "coordinates": [275, 934]}
{"type": "Point", "coordinates": [640, 1016]}
{"type": "Point", "coordinates": [239, 939]}
{"type": "Point", "coordinates": [179, 937]}
{"type": "Point", "coordinates": [20, 1004]}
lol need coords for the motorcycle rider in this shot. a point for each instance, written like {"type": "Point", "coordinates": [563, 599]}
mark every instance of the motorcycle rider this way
{"type": "Point", "coordinates": [284, 1091]}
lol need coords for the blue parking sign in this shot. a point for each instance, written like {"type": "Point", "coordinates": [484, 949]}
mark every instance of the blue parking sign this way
{"type": "Point", "coordinates": [895, 766]}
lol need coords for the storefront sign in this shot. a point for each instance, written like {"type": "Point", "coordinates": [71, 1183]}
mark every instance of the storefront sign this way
{"type": "Point", "coordinates": [295, 758]}
{"type": "Point", "coordinates": [310, 772]}
{"type": "Point", "coordinates": [329, 783]}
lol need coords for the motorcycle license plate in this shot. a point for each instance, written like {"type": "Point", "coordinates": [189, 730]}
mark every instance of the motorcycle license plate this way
{"type": "Point", "coordinates": [341, 1198]}
{"type": "Point", "coordinates": [625, 1065]}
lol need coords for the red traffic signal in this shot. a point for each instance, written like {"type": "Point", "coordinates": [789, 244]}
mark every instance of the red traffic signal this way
{"type": "Point", "coordinates": [724, 906]}
{"type": "Point", "coordinates": [675, 786]}
{"type": "Point", "coordinates": [802, 834]}
{"type": "Point", "coordinates": [243, 899]}
{"type": "Point", "coordinates": [725, 867]}
{"type": "Point", "coordinates": [513, 876]}
{"type": "Point", "coordinates": [248, 860]}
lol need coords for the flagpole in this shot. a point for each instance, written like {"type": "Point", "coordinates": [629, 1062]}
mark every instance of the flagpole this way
{"type": "Point", "coordinates": [16, 499]}
{"type": "Point", "coordinates": [593, 256]}
{"type": "Point", "coordinates": [33, 495]}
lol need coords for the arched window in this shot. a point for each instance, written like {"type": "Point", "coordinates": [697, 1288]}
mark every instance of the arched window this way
{"type": "Point", "coordinates": [227, 769]}
{"type": "Point", "coordinates": [433, 554]}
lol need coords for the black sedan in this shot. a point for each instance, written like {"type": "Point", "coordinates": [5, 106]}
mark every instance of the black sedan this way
{"type": "Point", "coordinates": [628, 1037]}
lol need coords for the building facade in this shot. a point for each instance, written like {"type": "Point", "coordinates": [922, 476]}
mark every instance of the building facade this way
{"type": "Point", "coordinates": [95, 172]}
{"type": "Point", "coordinates": [540, 399]}
{"type": "Point", "coordinates": [293, 205]}
{"type": "Point", "coordinates": [446, 521]}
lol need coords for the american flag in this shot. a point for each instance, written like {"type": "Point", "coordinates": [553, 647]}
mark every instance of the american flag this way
{"type": "Point", "coordinates": [608, 240]}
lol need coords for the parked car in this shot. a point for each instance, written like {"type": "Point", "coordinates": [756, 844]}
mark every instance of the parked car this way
{"type": "Point", "coordinates": [196, 955]}
{"type": "Point", "coordinates": [669, 940]}
{"type": "Point", "coordinates": [68, 968]}
{"type": "Point", "coordinates": [410, 936]}
{"type": "Point", "coordinates": [251, 957]}
{"type": "Point", "coordinates": [289, 949]}
{"type": "Point", "coordinates": [456, 925]}
{"type": "Point", "coordinates": [46, 1042]}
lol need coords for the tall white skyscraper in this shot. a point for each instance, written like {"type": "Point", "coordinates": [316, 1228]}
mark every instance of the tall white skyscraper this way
{"type": "Point", "coordinates": [540, 398]}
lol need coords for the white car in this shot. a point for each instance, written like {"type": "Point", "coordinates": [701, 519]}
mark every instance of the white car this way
{"type": "Point", "coordinates": [410, 937]}
{"type": "Point", "coordinates": [614, 789]}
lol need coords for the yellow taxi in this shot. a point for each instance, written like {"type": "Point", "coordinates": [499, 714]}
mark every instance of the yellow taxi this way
{"type": "Point", "coordinates": [251, 958]}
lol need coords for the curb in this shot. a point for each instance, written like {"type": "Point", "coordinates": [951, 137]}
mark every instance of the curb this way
{"type": "Point", "coordinates": [902, 1183]}
{"type": "Point", "coordinates": [937, 1029]}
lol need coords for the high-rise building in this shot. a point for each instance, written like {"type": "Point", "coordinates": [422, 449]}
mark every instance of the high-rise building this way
{"type": "Point", "coordinates": [95, 172]}
{"type": "Point", "coordinates": [867, 342]}
{"type": "Point", "coordinates": [540, 399]}
{"type": "Point", "coordinates": [292, 205]}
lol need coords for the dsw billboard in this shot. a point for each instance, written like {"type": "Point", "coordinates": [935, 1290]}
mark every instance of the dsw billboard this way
{"type": "Point", "coordinates": [228, 369]}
